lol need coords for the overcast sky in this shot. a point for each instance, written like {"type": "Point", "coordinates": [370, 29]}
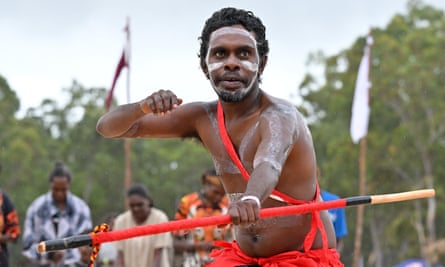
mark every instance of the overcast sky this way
{"type": "Point", "coordinates": [46, 44]}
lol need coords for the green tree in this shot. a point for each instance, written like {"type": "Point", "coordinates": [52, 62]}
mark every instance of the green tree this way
{"type": "Point", "coordinates": [169, 168]}
{"type": "Point", "coordinates": [24, 148]}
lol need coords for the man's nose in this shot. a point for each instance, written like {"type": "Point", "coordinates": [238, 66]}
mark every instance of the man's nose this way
{"type": "Point", "coordinates": [232, 63]}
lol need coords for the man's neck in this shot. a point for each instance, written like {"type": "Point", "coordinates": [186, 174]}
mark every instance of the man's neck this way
{"type": "Point", "coordinates": [142, 220]}
{"type": "Point", "coordinates": [244, 107]}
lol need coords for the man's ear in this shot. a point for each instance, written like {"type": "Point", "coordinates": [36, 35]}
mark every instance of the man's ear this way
{"type": "Point", "coordinates": [204, 69]}
{"type": "Point", "coordinates": [263, 62]}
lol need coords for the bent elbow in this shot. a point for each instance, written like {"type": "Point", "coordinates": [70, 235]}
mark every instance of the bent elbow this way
{"type": "Point", "coordinates": [100, 129]}
{"type": "Point", "coordinates": [111, 129]}
{"type": "Point", "coordinates": [104, 129]}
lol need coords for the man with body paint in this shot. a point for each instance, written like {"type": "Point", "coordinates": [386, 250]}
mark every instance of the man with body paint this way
{"type": "Point", "coordinates": [261, 147]}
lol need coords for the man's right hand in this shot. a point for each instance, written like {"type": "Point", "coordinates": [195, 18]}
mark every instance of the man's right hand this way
{"type": "Point", "coordinates": [160, 102]}
{"type": "Point", "coordinates": [244, 212]}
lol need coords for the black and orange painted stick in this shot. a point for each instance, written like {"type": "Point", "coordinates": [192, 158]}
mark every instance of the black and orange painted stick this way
{"type": "Point", "coordinates": [102, 237]}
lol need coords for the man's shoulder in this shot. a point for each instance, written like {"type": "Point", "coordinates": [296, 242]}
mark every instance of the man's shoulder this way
{"type": "Point", "coordinates": [121, 218]}
{"type": "Point", "coordinates": [200, 107]}
{"type": "Point", "coordinates": [79, 201]}
{"type": "Point", "coordinates": [77, 198]}
{"type": "Point", "coordinates": [280, 107]}
{"type": "Point", "coordinates": [39, 207]}
{"type": "Point", "coordinates": [39, 201]}
{"type": "Point", "coordinates": [158, 211]}
{"type": "Point", "coordinates": [278, 102]}
{"type": "Point", "coordinates": [195, 116]}
{"type": "Point", "coordinates": [159, 214]}
{"type": "Point", "coordinates": [191, 197]}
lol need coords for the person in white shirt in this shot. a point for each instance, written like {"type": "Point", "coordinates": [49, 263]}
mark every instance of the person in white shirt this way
{"type": "Point", "coordinates": [150, 250]}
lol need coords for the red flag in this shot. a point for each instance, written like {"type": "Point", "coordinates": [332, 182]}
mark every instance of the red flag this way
{"type": "Point", "coordinates": [123, 62]}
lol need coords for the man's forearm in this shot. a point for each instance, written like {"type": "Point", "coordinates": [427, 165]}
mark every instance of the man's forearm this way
{"type": "Point", "coordinates": [118, 121]}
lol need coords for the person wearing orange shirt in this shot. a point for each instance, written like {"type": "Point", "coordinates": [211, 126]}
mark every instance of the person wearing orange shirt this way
{"type": "Point", "coordinates": [195, 245]}
{"type": "Point", "coordinates": [9, 226]}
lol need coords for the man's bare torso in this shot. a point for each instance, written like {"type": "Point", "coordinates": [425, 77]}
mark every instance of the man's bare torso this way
{"type": "Point", "coordinates": [274, 145]}
{"type": "Point", "coordinates": [298, 176]}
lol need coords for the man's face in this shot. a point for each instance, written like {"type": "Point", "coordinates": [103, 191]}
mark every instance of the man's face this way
{"type": "Point", "coordinates": [60, 186]}
{"type": "Point", "coordinates": [213, 192]}
{"type": "Point", "coordinates": [139, 206]}
{"type": "Point", "coordinates": [232, 62]}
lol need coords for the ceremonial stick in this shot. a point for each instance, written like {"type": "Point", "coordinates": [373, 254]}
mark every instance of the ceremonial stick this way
{"type": "Point", "coordinates": [150, 229]}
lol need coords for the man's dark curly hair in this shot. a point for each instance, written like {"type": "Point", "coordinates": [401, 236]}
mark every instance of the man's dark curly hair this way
{"type": "Point", "coordinates": [60, 170]}
{"type": "Point", "coordinates": [230, 16]}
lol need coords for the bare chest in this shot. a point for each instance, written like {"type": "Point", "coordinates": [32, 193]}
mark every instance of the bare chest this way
{"type": "Point", "coordinates": [244, 138]}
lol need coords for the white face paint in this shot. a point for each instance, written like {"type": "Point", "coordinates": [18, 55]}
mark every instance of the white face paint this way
{"type": "Point", "coordinates": [229, 95]}
{"type": "Point", "coordinates": [213, 66]}
{"type": "Point", "coordinates": [253, 67]}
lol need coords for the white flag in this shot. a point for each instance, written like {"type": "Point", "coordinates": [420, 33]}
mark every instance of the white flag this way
{"type": "Point", "coordinates": [360, 104]}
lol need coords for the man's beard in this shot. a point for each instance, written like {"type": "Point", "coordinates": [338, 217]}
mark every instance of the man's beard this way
{"type": "Point", "coordinates": [233, 96]}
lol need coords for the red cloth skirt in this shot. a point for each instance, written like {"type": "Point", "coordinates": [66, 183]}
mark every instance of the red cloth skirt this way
{"type": "Point", "coordinates": [230, 255]}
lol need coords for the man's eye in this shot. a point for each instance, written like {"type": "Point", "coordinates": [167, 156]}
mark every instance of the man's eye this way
{"type": "Point", "coordinates": [219, 53]}
{"type": "Point", "coordinates": [244, 54]}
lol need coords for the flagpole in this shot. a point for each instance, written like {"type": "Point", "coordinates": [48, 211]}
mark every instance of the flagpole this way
{"type": "Point", "coordinates": [357, 259]}
{"type": "Point", "coordinates": [360, 209]}
{"type": "Point", "coordinates": [124, 61]}
{"type": "Point", "coordinates": [127, 143]}
{"type": "Point", "coordinates": [128, 56]}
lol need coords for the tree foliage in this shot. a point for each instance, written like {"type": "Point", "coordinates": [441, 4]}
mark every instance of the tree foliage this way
{"type": "Point", "coordinates": [406, 131]}
{"type": "Point", "coordinates": [30, 146]}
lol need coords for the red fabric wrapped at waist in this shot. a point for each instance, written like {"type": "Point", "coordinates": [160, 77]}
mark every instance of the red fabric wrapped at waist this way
{"type": "Point", "coordinates": [230, 255]}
